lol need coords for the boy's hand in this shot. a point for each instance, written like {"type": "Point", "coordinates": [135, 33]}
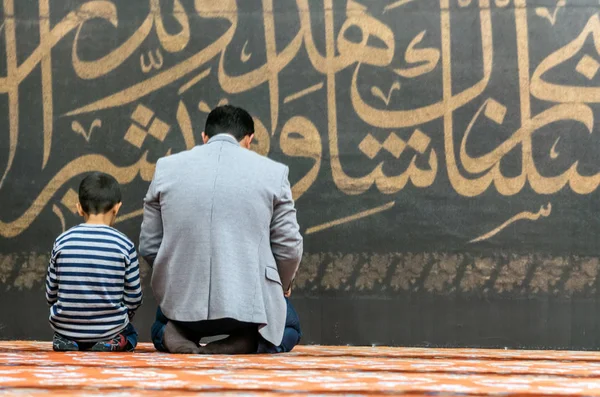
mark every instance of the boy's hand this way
{"type": "Point", "coordinates": [130, 314]}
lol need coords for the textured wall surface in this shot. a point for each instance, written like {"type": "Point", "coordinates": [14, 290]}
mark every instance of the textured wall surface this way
{"type": "Point", "coordinates": [443, 153]}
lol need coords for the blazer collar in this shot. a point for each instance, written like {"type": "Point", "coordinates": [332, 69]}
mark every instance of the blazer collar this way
{"type": "Point", "coordinates": [223, 138]}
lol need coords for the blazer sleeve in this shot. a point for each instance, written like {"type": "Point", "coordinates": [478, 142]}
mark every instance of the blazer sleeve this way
{"type": "Point", "coordinates": [152, 228]}
{"type": "Point", "coordinates": [286, 240]}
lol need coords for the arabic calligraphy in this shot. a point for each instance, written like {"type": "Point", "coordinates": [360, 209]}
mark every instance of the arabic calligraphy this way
{"type": "Point", "coordinates": [544, 12]}
{"type": "Point", "coordinates": [362, 214]}
{"type": "Point", "coordinates": [365, 107]}
{"type": "Point", "coordinates": [543, 212]}
{"type": "Point", "coordinates": [78, 128]}
{"type": "Point", "coordinates": [153, 62]}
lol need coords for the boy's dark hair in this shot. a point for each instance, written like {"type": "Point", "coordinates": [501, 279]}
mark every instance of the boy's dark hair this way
{"type": "Point", "coordinates": [99, 193]}
{"type": "Point", "coordinates": [229, 119]}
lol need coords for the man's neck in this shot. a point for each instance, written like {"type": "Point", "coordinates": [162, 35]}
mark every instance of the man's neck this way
{"type": "Point", "coordinates": [226, 134]}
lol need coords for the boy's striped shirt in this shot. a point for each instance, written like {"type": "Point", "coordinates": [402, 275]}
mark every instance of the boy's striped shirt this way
{"type": "Point", "coordinates": [93, 281]}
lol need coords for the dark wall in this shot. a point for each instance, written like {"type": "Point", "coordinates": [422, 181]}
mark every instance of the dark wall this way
{"type": "Point", "coordinates": [443, 154]}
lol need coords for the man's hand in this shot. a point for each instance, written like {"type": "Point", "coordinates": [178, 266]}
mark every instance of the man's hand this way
{"type": "Point", "coordinates": [130, 314]}
{"type": "Point", "coordinates": [288, 292]}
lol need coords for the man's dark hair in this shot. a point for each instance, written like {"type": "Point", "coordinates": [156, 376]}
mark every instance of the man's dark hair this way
{"type": "Point", "coordinates": [99, 193]}
{"type": "Point", "coordinates": [231, 120]}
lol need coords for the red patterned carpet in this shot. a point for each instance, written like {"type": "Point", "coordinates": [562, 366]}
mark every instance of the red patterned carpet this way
{"type": "Point", "coordinates": [32, 369]}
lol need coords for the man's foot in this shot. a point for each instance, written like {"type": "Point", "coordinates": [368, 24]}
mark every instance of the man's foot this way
{"type": "Point", "coordinates": [241, 343]}
{"type": "Point", "coordinates": [116, 344]}
{"type": "Point", "coordinates": [176, 342]}
{"type": "Point", "coordinates": [62, 344]}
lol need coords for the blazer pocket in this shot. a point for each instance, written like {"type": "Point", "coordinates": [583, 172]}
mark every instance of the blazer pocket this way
{"type": "Point", "coordinates": [273, 275]}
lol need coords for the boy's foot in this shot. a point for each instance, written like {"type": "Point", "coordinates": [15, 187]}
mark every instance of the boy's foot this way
{"type": "Point", "coordinates": [116, 344]}
{"type": "Point", "coordinates": [62, 344]}
{"type": "Point", "coordinates": [176, 342]}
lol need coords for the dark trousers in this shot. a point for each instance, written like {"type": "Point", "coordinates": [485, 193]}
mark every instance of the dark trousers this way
{"type": "Point", "coordinates": [131, 335]}
{"type": "Point", "coordinates": [226, 326]}
{"type": "Point", "coordinates": [128, 332]}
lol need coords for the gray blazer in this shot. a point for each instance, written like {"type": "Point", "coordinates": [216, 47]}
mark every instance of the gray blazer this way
{"type": "Point", "coordinates": [221, 235]}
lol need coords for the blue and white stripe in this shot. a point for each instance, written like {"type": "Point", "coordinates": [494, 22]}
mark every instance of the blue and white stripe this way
{"type": "Point", "coordinates": [93, 281]}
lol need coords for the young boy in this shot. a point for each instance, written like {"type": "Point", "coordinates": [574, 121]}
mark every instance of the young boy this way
{"type": "Point", "coordinates": [93, 281]}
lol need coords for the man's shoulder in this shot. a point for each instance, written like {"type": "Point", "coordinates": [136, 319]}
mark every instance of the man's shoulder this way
{"type": "Point", "coordinates": [265, 162]}
{"type": "Point", "coordinates": [176, 158]}
{"type": "Point", "coordinates": [175, 162]}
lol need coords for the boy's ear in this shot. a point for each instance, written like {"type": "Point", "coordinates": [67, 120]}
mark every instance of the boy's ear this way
{"type": "Point", "coordinates": [204, 137]}
{"type": "Point", "coordinates": [117, 207]}
{"type": "Point", "coordinates": [80, 210]}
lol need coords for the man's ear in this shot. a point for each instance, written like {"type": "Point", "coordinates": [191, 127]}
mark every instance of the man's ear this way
{"type": "Point", "coordinates": [205, 137]}
{"type": "Point", "coordinates": [248, 140]}
{"type": "Point", "coordinates": [80, 210]}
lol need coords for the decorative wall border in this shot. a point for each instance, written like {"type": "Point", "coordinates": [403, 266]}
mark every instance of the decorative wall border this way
{"type": "Point", "coordinates": [504, 274]}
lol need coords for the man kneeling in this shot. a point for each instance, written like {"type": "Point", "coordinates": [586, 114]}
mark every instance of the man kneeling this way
{"type": "Point", "coordinates": [221, 235]}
